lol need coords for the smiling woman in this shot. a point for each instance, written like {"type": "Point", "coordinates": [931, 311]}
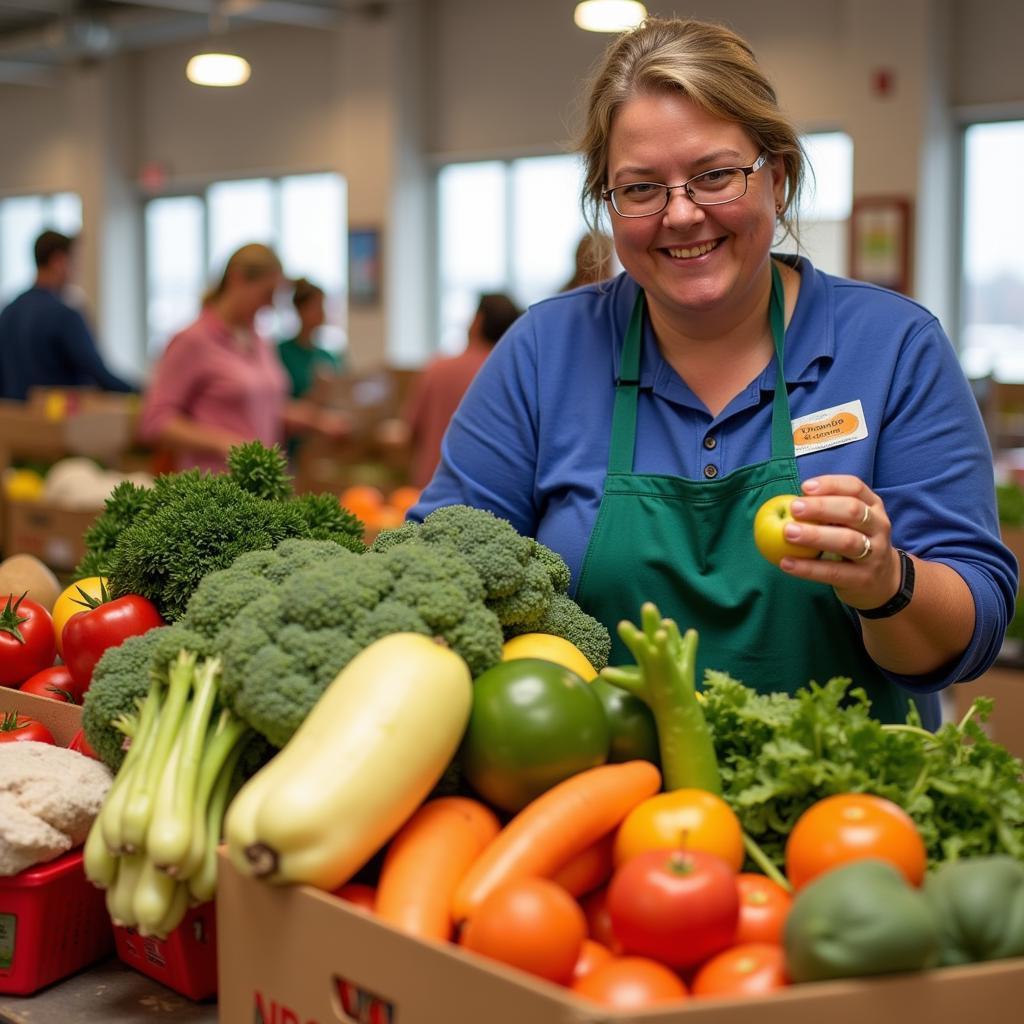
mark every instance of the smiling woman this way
{"type": "Point", "coordinates": [636, 426]}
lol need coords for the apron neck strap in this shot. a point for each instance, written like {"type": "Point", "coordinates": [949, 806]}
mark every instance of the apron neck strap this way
{"type": "Point", "coordinates": [623, 440]}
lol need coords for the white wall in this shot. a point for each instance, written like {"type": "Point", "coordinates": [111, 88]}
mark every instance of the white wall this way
{"type": "Point", "coordinates": [383, 101]}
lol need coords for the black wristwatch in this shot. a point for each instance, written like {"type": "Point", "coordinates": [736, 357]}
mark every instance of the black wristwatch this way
{"type": "Point", "coordinates": [903, 595]}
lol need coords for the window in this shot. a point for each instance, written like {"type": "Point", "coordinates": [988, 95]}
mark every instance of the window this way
{"type": "Point", "coordinates": [22, 220]}
{"type": "Point", "coordinates": [190, 237]}
{"type": "Point", "coordinates": [509, 226]}
{"type": "Point", "coordinates": [992, 327]}
{"type": "Point", "coordinates": [824, 210]}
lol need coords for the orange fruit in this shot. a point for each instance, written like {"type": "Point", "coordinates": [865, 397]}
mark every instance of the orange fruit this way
{"type": "Point", "coordinates": [404, 497]}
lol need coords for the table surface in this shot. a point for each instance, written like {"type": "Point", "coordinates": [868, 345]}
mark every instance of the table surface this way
{"type": "Point", "coordinates": [111, 993]}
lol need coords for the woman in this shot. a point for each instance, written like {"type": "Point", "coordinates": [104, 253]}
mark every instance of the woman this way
{"type": "Point", "coordinates": [636, 426]}
{"type": "Point", "coordinates": [219, 383]}
{"type": "Point", "coordinates": [303, 359]}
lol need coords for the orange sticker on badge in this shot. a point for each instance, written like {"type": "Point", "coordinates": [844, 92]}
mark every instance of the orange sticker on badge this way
{"type": "Point", "coordinates": [829, 428]}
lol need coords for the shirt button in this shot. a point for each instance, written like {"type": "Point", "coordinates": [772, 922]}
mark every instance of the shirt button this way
{"type": "Point", "coordinates": [710, 442]}
{"type": "Point", "coordinates": [711, 472]}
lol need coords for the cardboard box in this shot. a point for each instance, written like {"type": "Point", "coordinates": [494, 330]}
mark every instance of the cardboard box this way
{"type": "Point", "coordinates": [294, 954]}
{"type": "Point", "coordinates": [53, 534]}
{"type": "Point", "coordinates": [63, 720]}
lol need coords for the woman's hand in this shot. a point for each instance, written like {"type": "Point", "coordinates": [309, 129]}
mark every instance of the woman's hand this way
{"type": "Point", "coordinates": [842, 516]}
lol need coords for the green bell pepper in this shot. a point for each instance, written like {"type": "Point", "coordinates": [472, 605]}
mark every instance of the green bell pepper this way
{"type": "Point", "coordinates": [860, 919]}
{"type": "Point", "coordinates": [634, 735]}
{"type": "Point", "coordinates": [980, 907]}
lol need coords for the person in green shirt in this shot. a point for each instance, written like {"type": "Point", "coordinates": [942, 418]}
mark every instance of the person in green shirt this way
{"type": "Point", "coordinates": [303, 359]}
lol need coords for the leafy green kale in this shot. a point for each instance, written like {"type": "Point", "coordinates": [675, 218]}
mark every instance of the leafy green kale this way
{"type": "Point", "coordinates": [778, 754]}
{"type": "Point", "coordinates": [524, 582]}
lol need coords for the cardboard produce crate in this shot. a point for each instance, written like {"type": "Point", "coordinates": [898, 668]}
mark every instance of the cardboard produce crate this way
{"type": "Point", "coordinates": [296, 954]}
{"type": "Point", "coordinates": [53, 534]}
{"type": "Point", "coordinates": [63, 720]}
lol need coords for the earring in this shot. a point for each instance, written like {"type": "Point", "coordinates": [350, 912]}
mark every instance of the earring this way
{"type": "Point", "coordinates": [778, 209]}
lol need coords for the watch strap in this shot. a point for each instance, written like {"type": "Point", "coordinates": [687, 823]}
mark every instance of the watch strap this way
{"type": "Point", "coordinates": [901, 598]}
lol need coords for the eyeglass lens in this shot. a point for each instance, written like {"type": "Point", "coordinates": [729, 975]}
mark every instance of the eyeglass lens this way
{"type": "Point", "coordinates": [709, 189]}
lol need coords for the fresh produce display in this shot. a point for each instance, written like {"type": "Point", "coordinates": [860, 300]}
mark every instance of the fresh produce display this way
{"type": "Point", "coordinates": [159, 542]}
{"type": "Point", "coordinates": [588, 870]}
{"type": "Point", "coordinates": [664, 679]}
{"type": "Point", "coordinates": [15, 728]}
{"type": "Point", "coordinates": [631, 983]}
{"type": "Point", "coordinates": [54, 682]}
{"type": "Point", "coordinates": [764, 905]}
{"type": "Point", "coordinates": [980, 909]}
{"type": "Point", "coordinates": [27, 645]}
{"type": "Point", "coordinates": [747, 969]}
{"type": "Point", "coordinates": [533, 724]}
{"type": "Point", "coordinates": [336, 793]}
{"type": "Point", "coordinates": [549, 648]}
{"type": "Point", "coordinates": [25, 574]}
{"type": "Point", "coordinates": [634, 735]}
{"type": "Point", "coordinates": [77, 597]}
{"type": "Point", "coordinates": [860, 919]}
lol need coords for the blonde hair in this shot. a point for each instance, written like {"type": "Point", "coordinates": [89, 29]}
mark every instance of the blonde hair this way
{"type": "Point", "coordinates": [252, 262]}
{"type": "Point", "coordinates": [712, 67]}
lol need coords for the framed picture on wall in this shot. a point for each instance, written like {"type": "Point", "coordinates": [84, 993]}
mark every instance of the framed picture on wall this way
{"type": "Point", "coordinates": [880, 241]}
{"type": "Point", "coordinates": [364, 266]}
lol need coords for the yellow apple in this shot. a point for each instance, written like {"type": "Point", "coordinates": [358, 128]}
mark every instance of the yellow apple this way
{"type": "Point", "coordinates": [769, 523]}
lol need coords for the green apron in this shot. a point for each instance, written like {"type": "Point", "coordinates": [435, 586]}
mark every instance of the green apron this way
{"type": "Point", "coordinates": [688, 546]}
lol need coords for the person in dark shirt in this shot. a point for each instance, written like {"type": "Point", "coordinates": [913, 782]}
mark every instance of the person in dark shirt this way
{"type": "Point", "coordinates": [43, 341]}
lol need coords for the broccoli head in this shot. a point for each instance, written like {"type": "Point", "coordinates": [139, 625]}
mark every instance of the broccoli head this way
{"type": "Point", "coordinates": [565, 618]}
{"type": "Point", "coordinates": [121, 680]}
{"type": "Point", "coordinates": [287, 621]}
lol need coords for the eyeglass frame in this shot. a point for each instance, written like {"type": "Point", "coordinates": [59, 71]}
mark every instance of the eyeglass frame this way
{"type": "Point", "coordinates": [608, 195]}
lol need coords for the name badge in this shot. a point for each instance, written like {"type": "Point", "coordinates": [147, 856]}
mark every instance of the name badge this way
{"type": "Point", "coordinates": [829, 428]}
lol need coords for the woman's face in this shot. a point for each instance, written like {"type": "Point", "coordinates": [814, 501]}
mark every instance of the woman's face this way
{"type": "Point", "coordinates": [311, 312]}
{"type": "Point", "coordinates": [691, 260]}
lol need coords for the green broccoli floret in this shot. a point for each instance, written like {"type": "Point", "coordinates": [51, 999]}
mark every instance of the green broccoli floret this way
{"type": "Point", "coordinates": [121, 679]}
{"type": "Point", "coordinates": [285, 622]}
{"type": "Point", "coordinates": [388, 539]}
{"type": "Point", "coordinates": [160, 542]}
{"type": "Point", "coordinates": [555, 565]}
{"type": "Point", "coordinates": [565, 618]}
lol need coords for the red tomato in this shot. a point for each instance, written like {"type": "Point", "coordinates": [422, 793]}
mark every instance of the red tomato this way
{"type": "Point", "coordinates": [599, 922]}
{"type": "Point", "coordinates": [592, 955]}
{"type": "Point", "coordinates": [852, 826]}
{"type": "Point", "coordinates": [14, 728]}
{"type": "Point", "coordinates": [631, 983]}
{"type": "Point", "coordinates": [27, 644]}
{"type": "Point", "coordinates": [87, 635]}
{"type": "Point", "coordinates": [764, 905]}
{"type": "Point", "coordinates": [55, 683]}
{"type": "Point", "coordinates": [81, 744]}
{"type": "Point", "coordinates": [364, 896]}
{"type": "Point", "coordinates": [675, 906]}
{"type": "Point", "coordinates": [753, 969]}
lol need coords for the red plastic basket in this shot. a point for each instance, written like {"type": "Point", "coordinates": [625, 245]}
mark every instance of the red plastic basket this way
{"type": "Point", "coordinates": [185, 961]}
{"type": "Point", "coordinates": [53, 922]}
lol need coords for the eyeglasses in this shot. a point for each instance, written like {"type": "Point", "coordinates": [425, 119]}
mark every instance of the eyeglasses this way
{"type": "Point", "coordinates": [710, 188]}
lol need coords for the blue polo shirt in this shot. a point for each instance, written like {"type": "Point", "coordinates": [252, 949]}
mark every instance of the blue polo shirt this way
{"type": "Point", "coordinates": [46, 343]}
{"type": "Point", "coordinates": [530, 440]}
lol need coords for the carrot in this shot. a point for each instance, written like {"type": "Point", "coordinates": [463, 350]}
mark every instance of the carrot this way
{"type": "Point", "coordinates": [427, 859]}
{"type": "Point", "coordinates": [555, 827]}
{"type": "Point", "coordinates": [587, 870]}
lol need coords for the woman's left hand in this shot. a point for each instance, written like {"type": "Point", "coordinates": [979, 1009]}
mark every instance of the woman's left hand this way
{"type": "Point", "coordinates": [842, 516]}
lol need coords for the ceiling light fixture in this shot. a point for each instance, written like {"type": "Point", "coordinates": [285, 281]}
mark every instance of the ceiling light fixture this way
{"type": "Point", "coordinates": [221, 70]}
{"type": "Point", "coordinates": [609, 15]}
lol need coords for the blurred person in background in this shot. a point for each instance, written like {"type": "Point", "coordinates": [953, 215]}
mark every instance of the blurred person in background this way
{"type": "Point", "coordinates": [594, 260]}
{"type": "Point", "coordinates": [44, 342]}
{"type": "Point", "coordinates": [438, 390]}
{"type": "Point", "coordinates": [302, 357]}
{"type": "Point", "coordinates": [219, 383]}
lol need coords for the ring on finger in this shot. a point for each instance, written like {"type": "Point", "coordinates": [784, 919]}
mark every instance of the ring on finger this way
{"type": "Point", "coordinates": [865, 519]}
{"type": "Point", "coordinates": [865, 551]}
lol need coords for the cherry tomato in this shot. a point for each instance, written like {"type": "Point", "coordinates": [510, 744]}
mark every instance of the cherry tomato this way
{"type": "Point", "coordinates": [78, 597]}
{"type": "Point", "coordinates": [89, 634]}
{"type": "Point", "coordinates": [676, 906]}
{"type": "Point", "coordinates": [27, 645]}
{"type": "Point", "coordinates": [364, 896]}
{"type": "Point", "coordinates": [689, 819]}
{"type": "Point", "coordinates": [531, 924]}
{"type": "Point", "coordinates": [81, 744]}
{"type": "Point", "coordinates": [592, 955]}
{"type": "Point", "coordinates": [14, 728]}
{"type": "Point", "coordinates": [764, 905]}
{"type": "Point", "coordinates": [54, 682]}
{"type": "Point", "coordinates": [852, 826]}
{"type": "Point", "coordinates": [631, 983]}
{"type": "Point", "coordinates": [599, 921]}
{"type": "Point", "coordinates": [753, 969]}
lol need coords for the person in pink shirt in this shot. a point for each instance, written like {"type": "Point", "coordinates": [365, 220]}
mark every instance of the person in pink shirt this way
{"type": "Point", "coordinates": [438, 390]}
{"type": "Point", "coordinates": [219, 383]}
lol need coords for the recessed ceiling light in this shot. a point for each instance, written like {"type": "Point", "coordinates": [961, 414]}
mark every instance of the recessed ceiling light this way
{"type": "Point", "coordinates": [609, 15]}
{"type": "Point", "coordinates": [218, 69]}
